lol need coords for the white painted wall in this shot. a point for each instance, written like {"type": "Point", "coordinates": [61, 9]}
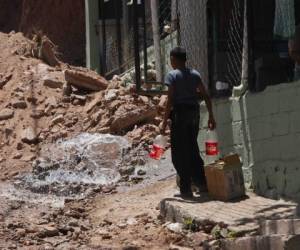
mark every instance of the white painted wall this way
{"type": "Point", "coordinates": [264, 129]}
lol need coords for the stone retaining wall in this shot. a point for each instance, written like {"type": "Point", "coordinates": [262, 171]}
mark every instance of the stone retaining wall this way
{"type": "Point", "coordinates": [264, 129]}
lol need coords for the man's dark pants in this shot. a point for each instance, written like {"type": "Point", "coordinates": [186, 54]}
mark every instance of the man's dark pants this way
{"type": "Point", "coordinates": [184, 147]}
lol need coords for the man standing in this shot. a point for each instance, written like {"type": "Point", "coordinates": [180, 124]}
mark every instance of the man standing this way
{"type": "Point", "coordinates": [184, 86]}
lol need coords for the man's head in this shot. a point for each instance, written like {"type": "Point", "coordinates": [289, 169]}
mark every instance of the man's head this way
{"type": "Point", "coordinates": [178, 57]}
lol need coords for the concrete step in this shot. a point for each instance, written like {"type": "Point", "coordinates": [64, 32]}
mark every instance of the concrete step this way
{"type": "Point", "coordinates": [281, 227]}
{"type": "Point", "coordinates": [241, 216]}
{"type": "Point", "coordinates": [267, 242]}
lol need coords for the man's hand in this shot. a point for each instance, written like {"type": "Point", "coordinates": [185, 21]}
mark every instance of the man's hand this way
{"type": "Point", "coordinates": [211, 123]}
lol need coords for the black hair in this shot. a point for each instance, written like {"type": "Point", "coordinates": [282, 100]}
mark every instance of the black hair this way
{"type": "Point", "coordinates": [179, 53]}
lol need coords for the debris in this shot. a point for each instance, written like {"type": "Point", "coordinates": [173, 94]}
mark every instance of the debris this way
{"type": "Point", "coordinates": [176, 247]}
{"type": "Point", "coordinates": [48, 231]}
{"type": "Point", "coordinates": [57, 119]}
{"type": "Point", "coordinates": [127, 170]}
{"type": "Point", "coordinates": [78, 99]}
{"type": "Point", "coordinates": [67, 89]}
{"type": "Point", "coordinates": [97, 100]}
{"type": "Point", "coordinates": [141, 172]}
{"type": "Point", "coordinates": [18, 104]}
{"type": "Point", "coordinates": [37, 113]}
{"type": "Point", "coordinates": [6, 114]}
{"type": "Point", "coordinates": [111, 95]}
{"type": "Point", "coordinates": [51, 102]}
{"type": "Point", "coordinates": [162, 102]}
{"type": "Point", "coordinates": [47, 52]}
{"type": "Point", "coordinates": [29, 136]}
{"type": "Point", "coordinates": [5, 79]}
{"type": "Point", "coordinates": [54, 80]}
{"type": "Point", "coordinates": [86, 80]}
{"type": "Point", "coordinates": [175, 227]}
{"type": "Point", "coordinates": [131, 221]}
{"type": "Point", "coordinates": [144, 99]}
{"type": "Point", "coordinates": [130, 115]}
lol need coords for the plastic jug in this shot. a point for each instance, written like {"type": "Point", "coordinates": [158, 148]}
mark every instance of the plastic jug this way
{"type": "Point", "coordinates": [211, 147]}
{"type": "Point", "coordinates": [158, 147]}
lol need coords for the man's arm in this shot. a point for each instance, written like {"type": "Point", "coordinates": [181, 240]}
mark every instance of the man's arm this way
{"type": "Point", "coordinates": [168, 109]}
{"type": "Point", "coordinates": [203, 93]}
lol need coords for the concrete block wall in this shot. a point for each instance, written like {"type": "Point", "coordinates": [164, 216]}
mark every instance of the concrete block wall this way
{"type": "Point", "coordinates": [264, 129]}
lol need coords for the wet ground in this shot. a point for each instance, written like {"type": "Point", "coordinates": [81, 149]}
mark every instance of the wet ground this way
{"type": "Point", "coordinates": [77, 196]}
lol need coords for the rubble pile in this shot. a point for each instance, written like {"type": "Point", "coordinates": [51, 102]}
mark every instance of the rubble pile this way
{"type": "Point", "coordinates": [43, 100]}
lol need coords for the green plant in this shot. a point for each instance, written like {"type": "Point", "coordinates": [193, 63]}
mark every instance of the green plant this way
{"type": "Point", "coordinates": [191, 224]}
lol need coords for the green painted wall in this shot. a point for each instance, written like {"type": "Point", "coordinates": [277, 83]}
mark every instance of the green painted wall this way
{"type": "Point", "coordinates": [92, 39]}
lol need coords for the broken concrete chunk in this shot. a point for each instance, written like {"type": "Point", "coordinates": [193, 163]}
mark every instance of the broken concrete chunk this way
{"type": "Point", "coordinates": [125, 119]}
{"type": "Point", "coordinates": [96, 117]}
{"type": "Point", "coordinates": [86, 80]}
{"type": "Point", "coordinates": [162, 102]}
{"type": "Point", "coordinates": [144, 99]}
{"type": "Point", "coordinates": [4, 80]}
{"type": "Point", "coordinates": [48, 231]}
{"type": "Point", "coordinates": [18, 104]}
{"type": "Point", "coordinates": [93, 103]}
{"type": "Point", "coordinates": [81, 98]}
{"type": "Point", "coordinates": [67, 89]}
{"type": "Point", "coordinates": [57, 119]}
{"type": "Point", "coordinates": [36, 114]}
{"type": "Point", "coordinates": [47, 52]}
{"type": "Point", "coordinates": [29, 136]}
{"type": "Point", "coordinates": [111, 95]}
{"type": "Point", "coordinates": [114, 105]}
{"type": "Point", "coordinates": [6, 114]}
{"type": "Point", "coordinates": [51, 102]}
{"type": "Point", "coordinates": [175, 227]}
{"type": "Point", "coordinates": [54, 80]}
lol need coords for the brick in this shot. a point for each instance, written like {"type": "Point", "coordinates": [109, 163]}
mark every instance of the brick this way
{"type": "Point", "coordinates": [260, 128]}
{"type": "Point", "coordinates": [274, 88]}
{"type": "Point", "coordinates": [253, 243]}
{"type": "Point", "coordinates": [294, 122]}
{"type": "Point", "coordinates": [297, 88]}
{"type": "Point", "coordinates": [292, 177]}
{"type": "Point", "coordinates": [257, 151]}
{"type": "Point", "coordinates": [280, 124]}
{"type": "Point", "coordinates": [271, 104]}
{"type": "Point", "coordinates": [288, 149]}
{"type": "Point", "coordinates": [259, 178]}
{"type": "Point", "coordinates": [271, 149]}
{"type": "Point", "coordinates": [275, 176]}
{"type": "Point", "coordinates": [238, 133]}
{"type": "Point", "coordinates": [286, 99]}
{"type": "Point", "coordinates": [237, 110]}
{"type": "Point", "coordinates": [273, 242]}
{"type": "Point", "coordinates": [253, 104]}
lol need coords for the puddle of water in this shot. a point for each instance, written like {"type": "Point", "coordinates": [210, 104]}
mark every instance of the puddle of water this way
{"type": "Point", "coordinates": [74, 167]}
{"type": "Point", "coordinates": [14, 194]}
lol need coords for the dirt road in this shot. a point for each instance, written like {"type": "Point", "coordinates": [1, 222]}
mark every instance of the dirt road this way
{"type": "Point", "coordinates": [123, 220]}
